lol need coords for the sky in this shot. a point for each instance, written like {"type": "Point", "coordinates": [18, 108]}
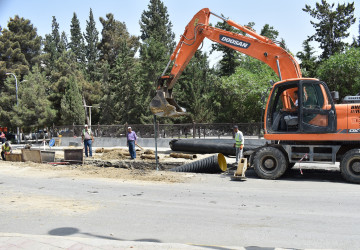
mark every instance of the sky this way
{"type": "Point", "coordinates": [286, 16]}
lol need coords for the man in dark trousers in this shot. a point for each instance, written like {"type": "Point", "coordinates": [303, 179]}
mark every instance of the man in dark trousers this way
{"type": "Point", "coordinates": [88, 138]}
{"type": "Point", "coordinates": [131, 141]}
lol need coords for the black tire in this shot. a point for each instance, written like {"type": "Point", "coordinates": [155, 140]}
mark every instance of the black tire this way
{"type": "Point", "coordinates": [350, 166]}
{"type": "Point", "coordinates": [270, 163]}
{"type": "Point", "coordinates": [291, 165]}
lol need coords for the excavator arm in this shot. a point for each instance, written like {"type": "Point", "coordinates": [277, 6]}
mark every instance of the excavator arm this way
{"type": "Point", "coordinates": [256, 46]}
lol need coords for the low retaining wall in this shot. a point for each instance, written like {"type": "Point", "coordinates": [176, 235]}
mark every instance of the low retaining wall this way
{"type": "Point", "coordinates": [148, 142]}
{"type": "Point", "coordinates": [116, 142]}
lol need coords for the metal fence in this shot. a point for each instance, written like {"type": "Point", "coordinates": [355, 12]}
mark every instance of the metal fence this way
{"type": "Point", "coordinates": [188, 130]}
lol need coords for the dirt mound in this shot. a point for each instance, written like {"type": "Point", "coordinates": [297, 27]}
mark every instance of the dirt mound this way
{"type": "Point", "coordinates": [91, 171]}
{"type": "Point", "coordinates": [116, 154]}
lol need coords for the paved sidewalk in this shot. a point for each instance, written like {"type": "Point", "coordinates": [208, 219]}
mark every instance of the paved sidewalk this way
{"type": "Point", "coordinates": [39, 242]}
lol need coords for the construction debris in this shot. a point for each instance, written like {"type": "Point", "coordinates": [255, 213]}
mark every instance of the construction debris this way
{"type": "Point", "coordinates": [181, 155]}
{"type": "Point", "coordinates": [148, 156]}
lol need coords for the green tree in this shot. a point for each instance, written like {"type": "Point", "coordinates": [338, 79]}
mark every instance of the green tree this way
{"type": "Point", "coordinates": [77, 40]}
{"type": "Point", "coordinates": [342, 72]}
{"type": "Point", "coordinates": [356, 41]}
{"type": "Point", "coordinates": [113, 34]}
{"type": "Point", "coordinates": [91, 51]}
{"type": "Point", "coordinates": [308, 60]}
{"type": "Point", "coordinates": [230, 57]}
{"type": "Point", "coordinates": [116, 44]}
{"type": "Point", "coordinates": [34, 106]}
{"type": "Point", "coordinates": [8, 105]}
{"type": "Point", "coordinates": [238, 97]}
{"type": "Point", "coordinates": [52, 43]}
{"type": "Point", "coordinates": [63, 45]}
{"type": "Point", "coordinates": [269, 32]}
{"type": "Point", "coordinates": [121, 95]}
{"type": "Point", "coordinates": [195, 90]}
{"type": "Point", "coordinates": [332, 26]}
{"type": "Point", "coordinates": [20, 47]}
{"type": "Point", "coordinates": [157, 46]}
{"type": "Point", "coordinates": [72, 109]}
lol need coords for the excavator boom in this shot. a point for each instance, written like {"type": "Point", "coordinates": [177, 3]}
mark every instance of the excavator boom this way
{"type": "Point", "coordinates": [257, 46]}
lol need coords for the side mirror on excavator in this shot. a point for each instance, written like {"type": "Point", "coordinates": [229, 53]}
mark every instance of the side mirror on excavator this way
{"type": "Point", "coordinates": [335, 96]}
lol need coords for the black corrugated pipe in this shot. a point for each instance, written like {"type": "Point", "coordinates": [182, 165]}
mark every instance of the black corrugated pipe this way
{"type": "Point", "coordinates": [202, 146]}
{"type": "Point", "coordinates": [212, 164]}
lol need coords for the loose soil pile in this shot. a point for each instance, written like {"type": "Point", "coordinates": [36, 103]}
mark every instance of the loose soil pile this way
{"type": "Point", "coordinates": [113, 164]}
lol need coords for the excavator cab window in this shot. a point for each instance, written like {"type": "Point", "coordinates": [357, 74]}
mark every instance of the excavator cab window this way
{"type": "Point", "coordinates": [301, 106]}
{"type": "Point", "coordinates": [318, 112]}
{"type": "Point", "coordinates": [283, 115]}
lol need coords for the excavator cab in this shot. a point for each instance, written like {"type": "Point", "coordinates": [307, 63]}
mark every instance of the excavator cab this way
{"type": "Point", "coordinates": [312, 112]}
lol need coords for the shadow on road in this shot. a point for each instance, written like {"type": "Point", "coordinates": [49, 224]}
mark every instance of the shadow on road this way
{"type": "Point", "coordinates": [314, 175]}
{"type": "Point", "coordinates": [66, 231]}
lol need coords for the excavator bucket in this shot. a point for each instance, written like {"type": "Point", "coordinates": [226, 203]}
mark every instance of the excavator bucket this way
{"type": "Point", "coordinates": [165, 107]}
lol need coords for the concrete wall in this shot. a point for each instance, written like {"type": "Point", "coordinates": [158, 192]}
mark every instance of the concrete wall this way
{"type": "Point", "coordinates": [117, 142]}
{"type": "Point", "coordinates": [147, 142]}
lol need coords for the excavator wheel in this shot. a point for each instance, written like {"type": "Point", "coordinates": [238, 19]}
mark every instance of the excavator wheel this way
{"type": "Point", "coordinates": [291, 165]}
{"type": "Point", "coordinates": [350, 166]}
{"type": "Point", "coordinates": [270, 163]}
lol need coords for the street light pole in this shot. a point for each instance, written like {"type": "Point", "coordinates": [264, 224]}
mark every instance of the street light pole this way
{"type": "Point", "coordinates": [17, 105]}
{"type": "Point", "coordinates": [86, 106]}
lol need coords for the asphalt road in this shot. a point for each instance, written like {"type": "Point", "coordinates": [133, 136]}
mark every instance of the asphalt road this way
{"type": "Point", "coordinates": [314, 210]}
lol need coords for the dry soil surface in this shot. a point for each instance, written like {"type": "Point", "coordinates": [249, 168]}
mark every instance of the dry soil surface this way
{"type": "Point", "coordinates": [90, 171]}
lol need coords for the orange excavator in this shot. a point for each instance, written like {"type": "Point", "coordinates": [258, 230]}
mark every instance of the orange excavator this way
{"type": "Point", "coordinates": [301, 121]}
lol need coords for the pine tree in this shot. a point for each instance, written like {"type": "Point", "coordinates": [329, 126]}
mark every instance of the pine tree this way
{"type": "Point", "coordinates": [8, 107]}
{"type": "Point", "coordinates": [63, 44]}
{"type": "Point", "coordinates": [308, 60]}
{"type": "Point", "coordinates": [53, 45]}
{"type": "Point", "coordinates": [77, 40]}
{"type": "Point", "coordinates": [195, 92]}
{"type": "Point", "coordinates": [123, 91]}
{"type": "Point", "coordinates": [358, 40]}
{"type": "Point", "coordinates": [113, 34]}
{"type": "Point", "coordinates": [332, 26]}
{"type": "Point", "coordinates": [34, 106]}
{"type": "Point", "coordinates": [115, 43]}
{"type": "Point", "coordinates": [230, 57]}
{"type": "Point", "coordinates": [19, 48]}
{"type": "Point", "coordinates": [157, 46]}
{"type": "Point", "coordinates": [72, 109]}
{"type": "Point", "coordinates": [269, 32]}
{"type": "Point", "coordinates": [91, 51]}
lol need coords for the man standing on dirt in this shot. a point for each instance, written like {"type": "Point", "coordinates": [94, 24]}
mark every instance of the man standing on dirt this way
{"type": "Point", "coordinates": [239, 143]}
{"type": "Point", "coordinates": [5, 150]}
{"type": "Point", "coordinates": [88, 138]}
{"type": "Point", "coordinates": [131, 141]}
